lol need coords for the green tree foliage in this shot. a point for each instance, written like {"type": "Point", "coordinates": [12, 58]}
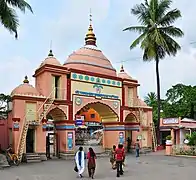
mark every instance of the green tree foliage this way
{"type": "Point", "coordinates": [180, 101]}
{"type": "Point", "coordinates": [192, 139]}
{"type": "Point", "coordinates": [156, 31]}
{"type": "Point", "coordinates": [151, 100]}
{"type": "Point", "coordinates": [8, 16]}
{"type": "Point", "coordinates": [4, 100]}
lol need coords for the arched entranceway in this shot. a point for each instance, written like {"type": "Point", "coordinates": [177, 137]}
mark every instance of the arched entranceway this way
{"type": "Point", "coordinates": [52, 136]}
{"type": "Point", "coordinates": [89, 123]}
{"type": "Point", "coordinates": [130, 133]}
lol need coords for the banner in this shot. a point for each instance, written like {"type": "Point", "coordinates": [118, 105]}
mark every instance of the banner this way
{"type": "Point", "coordinates": [70, 140]}
{"type": "Point", "coordinates": [121, 138]}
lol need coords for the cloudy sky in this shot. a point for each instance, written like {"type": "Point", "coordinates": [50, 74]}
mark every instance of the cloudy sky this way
{"type": "Point", "coordinates": [66, 22]}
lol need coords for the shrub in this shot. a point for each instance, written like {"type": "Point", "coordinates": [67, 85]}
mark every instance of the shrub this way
{"type": "Point", "coordinates": [192, 139]}
{"type": "Point", "coordinates": [168, 137]}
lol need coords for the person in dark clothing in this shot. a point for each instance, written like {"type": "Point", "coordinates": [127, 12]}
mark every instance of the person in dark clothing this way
{"type": "Point", "coordinates": [137, 148]}
{"type": "Point", "coordinates": [91, 156]}
{"type": "Point", "coordinates": [128, 144]}
{"type": "Point", "coordinates": [119, 156]}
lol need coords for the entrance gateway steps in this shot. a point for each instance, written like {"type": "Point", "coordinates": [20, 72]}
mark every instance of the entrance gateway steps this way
{"type": "Point", "coordinates": [34, 157]}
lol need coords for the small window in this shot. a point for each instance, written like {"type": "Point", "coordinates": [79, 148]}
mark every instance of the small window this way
{"type": "Point", "coordinates": [68, 76]}
{"type": "Point", "coordinates": [92, 115]}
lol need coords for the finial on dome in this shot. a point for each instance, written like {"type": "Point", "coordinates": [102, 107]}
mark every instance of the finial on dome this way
{"type": "Point", "coordinates": [122, 69]}
{"type": "Point", "coordinates": [90, 38]}
{"type": "Point", "coordinates": [26, 80]}
{"type": "Point", "coordinates": [50, 53]}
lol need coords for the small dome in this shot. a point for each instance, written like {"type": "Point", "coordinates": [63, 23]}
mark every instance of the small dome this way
{"type": "Point", "coordinates": [122, 74]}
{"type": "Point", "coordinates": [25, 89]}
{"type": "Point", "coordinates": [51, 60]}
{"type": "Point", "coordinates": [141, 103]}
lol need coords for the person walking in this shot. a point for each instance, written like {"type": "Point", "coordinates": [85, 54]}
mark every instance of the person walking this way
{"type": "Point", "coordinates": [91, 156]}
{"type": "Point", "coordinates": [137, 148]}
{"type": "Point", "coordinates": [80, 161]}
{"type": "Point", "coordinates": [128, 144]}
{"type": "Point", "coordinates": [119, 156]}
{"type": "Point", "coordinates": [112, 157]}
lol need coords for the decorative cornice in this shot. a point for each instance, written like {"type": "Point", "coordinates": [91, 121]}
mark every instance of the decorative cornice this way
{"type": "Point", "coordinates": [95, 74]}
{"type": "Point", "coordinates": [53, 68]}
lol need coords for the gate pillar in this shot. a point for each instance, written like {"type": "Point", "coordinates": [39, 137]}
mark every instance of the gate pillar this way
{"type": "Point", "coordinates": [66, 136]}
{"type": "Point", "coordinates": [113, 135]}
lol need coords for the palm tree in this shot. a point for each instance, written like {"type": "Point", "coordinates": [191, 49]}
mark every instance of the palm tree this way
{"type": "Point", "coordinates": [8, 16]}
{"type": "Point", "coordinates": [151, 99]}
{"type": "Point", "coordinates": [156, 34]}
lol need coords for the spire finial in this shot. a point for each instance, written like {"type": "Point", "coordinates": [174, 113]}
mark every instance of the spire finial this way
{"type": "Point", "coordinates": [26, 80]}
{"type": "Point", "coordinates": [50, 52]}
{"type": "Point", "coordinates": [51, 44]}
{"type": "Point", "coordinates": [122, 68]}
{"type": "Point", "coordinates": [90, 17]}
{"type": "Point", "coordinates": [90, 36]}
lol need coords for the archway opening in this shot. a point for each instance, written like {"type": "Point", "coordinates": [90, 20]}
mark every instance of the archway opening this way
{"type": "Point", "coordinates": [52, 138]}
{"type": "Point", "coordinates": [130, 132]}
{"type": "Point", "coordinates": [89, 123]}
{"type": "Point", "coordinates": [131, 118]}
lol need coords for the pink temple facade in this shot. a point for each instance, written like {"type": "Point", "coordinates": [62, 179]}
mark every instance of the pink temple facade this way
{"type": "Point", "coordinates": [62, 92]}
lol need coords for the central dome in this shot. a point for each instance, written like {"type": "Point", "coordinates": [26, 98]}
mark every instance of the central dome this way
{"type": "Point", "coordinates": [90, 58]}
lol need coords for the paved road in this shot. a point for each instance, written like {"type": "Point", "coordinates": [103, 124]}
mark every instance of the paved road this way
{"type": "Point", "coordinates": [147, 167]}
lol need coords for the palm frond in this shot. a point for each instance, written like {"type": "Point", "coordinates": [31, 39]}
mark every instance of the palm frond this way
{"type": "Point", "coordinates": [149, 49]}
{"type": "Point", "coordinates": [142, 13]}
{"type": "Point", "coordinates": [21, 4]}
{"type": "Point", "coordinates": [170, 17]}
{"type": "Point", "coordinates": [153, 9]}
{"type": "Point", "coordinates": [172, 31]}
{"type": "Point", "coordinates": [163, 7]}
{"type": "Point", "coordinates": [139, 29]}
{"type": "Point", "coordinates": [9, 18]}
{"type": "Point", "coordinates": [137, 41]}
{"type": "Point", "coordinates": [173, 46]}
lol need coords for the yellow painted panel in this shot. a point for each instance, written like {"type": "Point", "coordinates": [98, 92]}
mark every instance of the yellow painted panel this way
{"type": "Point", "coordinates": [31, 111]}
{"type": "Point", "coordinates": [130, 96]}
{"type": "Point", "coordinates": [95, 88]}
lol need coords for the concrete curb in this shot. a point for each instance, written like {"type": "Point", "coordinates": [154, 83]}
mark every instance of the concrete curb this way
{"type": "Point", "coordinates": [185, 156]}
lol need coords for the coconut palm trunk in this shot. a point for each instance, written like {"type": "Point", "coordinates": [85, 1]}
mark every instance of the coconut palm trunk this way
{"type": "Point", "coordinates": [158, 100]}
